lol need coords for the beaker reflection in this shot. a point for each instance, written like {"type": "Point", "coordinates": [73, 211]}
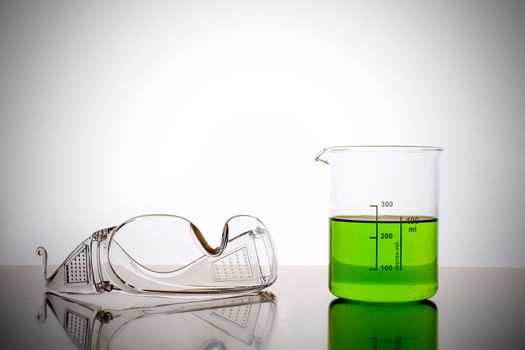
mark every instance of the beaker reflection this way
{"type": "Point", "coordinates": [228, 323]}
{"type": "Point", "coordinates": [354, 325]}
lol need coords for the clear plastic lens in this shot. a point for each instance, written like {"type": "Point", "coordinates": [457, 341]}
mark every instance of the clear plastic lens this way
{"type": "Point", "coordinates": [176, 257]}
{"type": "Point", "coordinates": [158, 243]}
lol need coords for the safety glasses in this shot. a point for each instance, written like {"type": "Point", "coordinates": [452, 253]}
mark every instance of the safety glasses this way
{"type": "Point", "coordinates": [168, 254]}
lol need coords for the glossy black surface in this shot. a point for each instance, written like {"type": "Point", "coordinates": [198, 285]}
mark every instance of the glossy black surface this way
{"type": "Point", "coordinates": [475, 308]}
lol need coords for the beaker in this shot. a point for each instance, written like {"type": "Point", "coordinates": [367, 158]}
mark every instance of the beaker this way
{"type": "Point", "coordinates": [383, 222]}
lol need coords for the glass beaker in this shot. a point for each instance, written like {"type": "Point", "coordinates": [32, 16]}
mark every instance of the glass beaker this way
{"type": "Point", "coordinates": [383, 222]}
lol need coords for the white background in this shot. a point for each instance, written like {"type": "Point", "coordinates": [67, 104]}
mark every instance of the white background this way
{"type": "Point", "coordinates": [207, 109]}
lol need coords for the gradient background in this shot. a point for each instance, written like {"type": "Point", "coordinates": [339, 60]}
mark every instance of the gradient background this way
{"type": "Point", "coordinates": [207, 109]}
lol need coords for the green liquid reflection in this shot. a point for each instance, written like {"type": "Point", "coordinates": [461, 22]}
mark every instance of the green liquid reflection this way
{"type": "Point", "coordinates": [354, 325]}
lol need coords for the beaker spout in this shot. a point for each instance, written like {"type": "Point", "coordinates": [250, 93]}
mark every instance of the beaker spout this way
{"type": "Point", "coordinates": [320, 157]}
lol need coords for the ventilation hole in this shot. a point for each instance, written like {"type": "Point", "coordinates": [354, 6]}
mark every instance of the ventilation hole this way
{"type": "Point", "coordinates": [234, 266]}
{"type": "Point", "coordinates": [76, 268]}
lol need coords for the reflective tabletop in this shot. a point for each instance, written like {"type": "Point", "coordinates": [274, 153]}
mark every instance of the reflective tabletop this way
{"type": "Point", "coordinates": [475, 308]}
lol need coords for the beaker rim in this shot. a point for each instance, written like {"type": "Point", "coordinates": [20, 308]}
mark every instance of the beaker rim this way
{"type": "Point", "coordinates": [383, 148]}
{"type": "Point", "coordinates": [376, 148]}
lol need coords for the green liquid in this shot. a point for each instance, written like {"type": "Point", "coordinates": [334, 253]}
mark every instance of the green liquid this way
{"type": "Point", "coordinates": [399, 265]}
{"type": "Point", "coordinates": [382, 326]}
